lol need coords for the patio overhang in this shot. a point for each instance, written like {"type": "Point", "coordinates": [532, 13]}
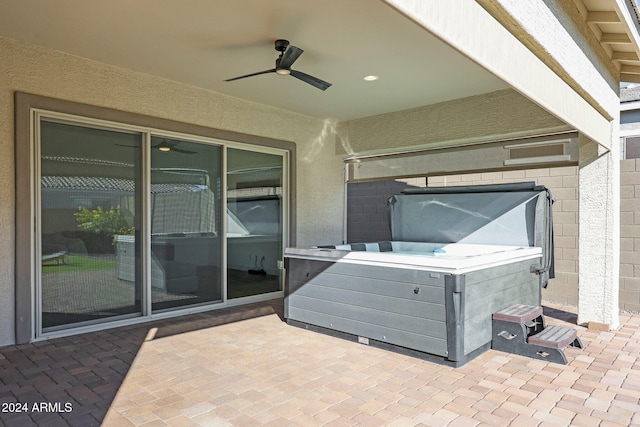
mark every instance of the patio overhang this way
{"type": "Point", "coordinates": [586, 99]}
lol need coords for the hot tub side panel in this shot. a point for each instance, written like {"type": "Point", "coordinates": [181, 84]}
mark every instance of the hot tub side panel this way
{"type": "Point", "coordinates": [493, 289]}
{"type": "Point", "coordinates": [403, 307]}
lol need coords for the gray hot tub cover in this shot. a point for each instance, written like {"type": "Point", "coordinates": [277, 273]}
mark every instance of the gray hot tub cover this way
{"type": "Point", "coordinates": [504, 214]}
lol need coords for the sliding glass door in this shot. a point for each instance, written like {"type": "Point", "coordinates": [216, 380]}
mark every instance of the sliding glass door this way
{"type": "Point", "coordinates": [132, 222]}
{"type": "Point", "coordinates": [185, 223]}
{"type": "Point", "coordinates": [90, 200]}
{"type": "Point", "coordinates": [254, 222]}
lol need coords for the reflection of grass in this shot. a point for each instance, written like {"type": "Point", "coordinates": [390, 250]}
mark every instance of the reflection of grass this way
{"type": "Point", "coordinates": [77, 263]}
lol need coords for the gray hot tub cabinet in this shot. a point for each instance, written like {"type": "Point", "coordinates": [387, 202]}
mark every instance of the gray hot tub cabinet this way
{"type": "Point", "coordinates": [458, 256]}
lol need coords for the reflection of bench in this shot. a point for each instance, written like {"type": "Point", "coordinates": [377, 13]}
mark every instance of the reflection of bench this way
{"type": "Point", "coordinates": [58, 257]}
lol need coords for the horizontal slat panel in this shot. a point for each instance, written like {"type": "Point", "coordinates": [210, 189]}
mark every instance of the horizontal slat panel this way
{"type": "Point", "coordinates": [433, 294]}
{"type": "Point", "coordinates": [502, 287]}
{"type": "Point", "coordinates": [478, 328]}
{"type": "Point", "coordinates": [305, 269]}
{"type": "Point", "coordinates": [494, 273]}
{"type": "Point", "coordinates": [394, 304]}
{"type": "Point", "coordinates": [374, 302]}
{"type": "Point", "coordinates": [396, 321]}
{"type": "Point", "coordinates": [492, 290]}
{"type": "Point", "coordinates": [406, 339]}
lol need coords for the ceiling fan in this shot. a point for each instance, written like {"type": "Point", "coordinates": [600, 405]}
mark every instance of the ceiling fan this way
{"type": "Point", "coordinates": [288, 55]}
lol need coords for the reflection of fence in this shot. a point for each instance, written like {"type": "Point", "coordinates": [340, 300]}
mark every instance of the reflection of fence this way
{"type": "Point", "coordinates": [182, 200]}
{"type": "Point", "coordinates": [182, 208]}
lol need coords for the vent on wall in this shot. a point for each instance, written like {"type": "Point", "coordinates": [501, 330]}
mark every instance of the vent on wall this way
{"type": "Point", "coordinates": [538, 152]}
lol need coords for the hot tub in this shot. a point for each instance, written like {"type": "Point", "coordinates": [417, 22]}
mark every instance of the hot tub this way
{"type": "Point", "coordinates": [458, 255]}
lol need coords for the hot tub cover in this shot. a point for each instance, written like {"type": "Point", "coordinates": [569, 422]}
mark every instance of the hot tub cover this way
{"type": "Point", "coordinates": [503, 214]}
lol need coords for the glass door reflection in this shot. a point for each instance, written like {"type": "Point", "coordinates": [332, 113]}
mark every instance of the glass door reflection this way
{"type": "Point", "coordinates": [185, 223]}
{"type": "Point", "coordinates": [90, 185]}
{"type": "Point", "coordinates": [254, 222]}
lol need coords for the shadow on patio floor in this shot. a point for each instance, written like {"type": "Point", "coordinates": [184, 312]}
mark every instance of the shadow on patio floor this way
{"type": "Point", "coordinates": [73, 380]}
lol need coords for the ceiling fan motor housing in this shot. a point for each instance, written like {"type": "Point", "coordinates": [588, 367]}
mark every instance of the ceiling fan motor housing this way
{"type": "Point", "coordinates": [281, 45]}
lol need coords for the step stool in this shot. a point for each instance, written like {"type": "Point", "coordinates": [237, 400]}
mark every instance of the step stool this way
{"type": "Point", "coordinates": [520, 329]}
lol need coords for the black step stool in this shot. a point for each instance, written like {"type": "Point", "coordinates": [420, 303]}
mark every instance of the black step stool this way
{"type": "Point", "coordinates": [520, 329]}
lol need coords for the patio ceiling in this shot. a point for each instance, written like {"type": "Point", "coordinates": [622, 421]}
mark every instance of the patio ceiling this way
{"type": "Point", "coordinates": [202, 43]}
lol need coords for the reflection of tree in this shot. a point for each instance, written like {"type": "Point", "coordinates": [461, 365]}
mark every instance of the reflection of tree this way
{"type": "Point", "coordinates": [101, 221]}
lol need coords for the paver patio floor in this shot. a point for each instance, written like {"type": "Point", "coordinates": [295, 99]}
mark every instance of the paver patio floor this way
{"type": "Point", "coordinates": [244, 366]}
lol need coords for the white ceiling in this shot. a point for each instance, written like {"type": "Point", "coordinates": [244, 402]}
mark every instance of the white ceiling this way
{"type": "Point", "coordinates": [204, 42]}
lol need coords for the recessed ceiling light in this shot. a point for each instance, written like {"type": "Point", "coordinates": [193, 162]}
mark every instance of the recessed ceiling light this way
{"type": "Point", "coordinates": [370, 78]}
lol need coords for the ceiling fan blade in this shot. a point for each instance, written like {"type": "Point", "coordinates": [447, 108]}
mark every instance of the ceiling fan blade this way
{"type": "Point", "coordinates": [313, 81]}
{"type": "Point", "coordinates": [180, 150]}
{"type": "Point", "coordinates": [289, 56]}
{"type": "Point", "coordinates": [273, 70]}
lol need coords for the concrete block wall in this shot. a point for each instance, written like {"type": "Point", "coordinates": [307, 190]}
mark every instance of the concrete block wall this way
{"type": "Point", "coordinates": [368, 220]}
{"type": "Point", "coordinates": [563, 183]}
{"type": "Point", "coordinates": [630, 235]}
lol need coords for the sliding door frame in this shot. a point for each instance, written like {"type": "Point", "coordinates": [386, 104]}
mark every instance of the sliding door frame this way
{"type": "Point", "coordinates": [285, 211]}
{"type": "Point", "coordinates": [40, 116]}
{"type": "Point", "coordinates": [29, 109]}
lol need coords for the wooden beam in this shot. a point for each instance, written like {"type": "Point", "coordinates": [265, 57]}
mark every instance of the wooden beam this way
{"type": "Point", "coordinates": [631, 78]}
{"type": "Point", "coordinates": [630, 69]}
{"type": "Point", "coordinates": [603, 18]}
{"type": "Point", "coordinates": [615, 38]}
{"type": "Point", "coordinates": [624, 56]}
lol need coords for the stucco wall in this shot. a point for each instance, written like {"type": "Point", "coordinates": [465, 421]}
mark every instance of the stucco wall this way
{"type": "Point", "coordinates": [32, 69]}
{"type": "Point", "coordinates": [485, 40]}
{"type": "Point", "coordinates": [562, 39]}
{"type": "Point", "coordinates": [474, 119]}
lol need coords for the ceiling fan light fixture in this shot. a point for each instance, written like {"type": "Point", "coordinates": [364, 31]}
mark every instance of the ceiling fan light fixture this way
{"type": "Point", "coordinates": [283, 71]}
{"type": "Point", "coordinates": [164, 148]}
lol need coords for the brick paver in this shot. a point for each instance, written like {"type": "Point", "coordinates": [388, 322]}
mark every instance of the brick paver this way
{"type": "Point", "coordinates": [244, 366]}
